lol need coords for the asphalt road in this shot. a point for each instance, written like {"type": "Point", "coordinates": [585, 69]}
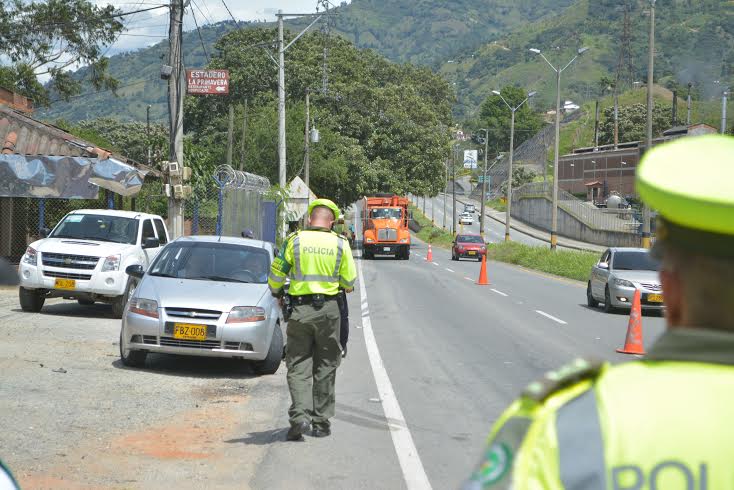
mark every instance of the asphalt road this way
{"type": "Point", "coordinates": [433, 360]}
{"type": "Point", "coordinates": [494, 230]}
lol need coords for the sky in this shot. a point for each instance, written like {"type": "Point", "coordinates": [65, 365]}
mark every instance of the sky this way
{"type": "Point", "coordinates": [147, 28]}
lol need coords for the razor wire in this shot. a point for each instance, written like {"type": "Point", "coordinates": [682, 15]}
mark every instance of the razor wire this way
{"type": "Point", "coordinates": [239, 202]}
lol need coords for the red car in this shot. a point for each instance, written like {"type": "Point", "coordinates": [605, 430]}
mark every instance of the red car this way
{"type": "Point", "coordinates": [468, 246]}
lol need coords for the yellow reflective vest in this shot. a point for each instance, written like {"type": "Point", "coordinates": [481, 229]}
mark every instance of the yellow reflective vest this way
{"type": "Point", "coordinates": [316, 261]}
{"type": "Point", "coordinates": [663, 423]}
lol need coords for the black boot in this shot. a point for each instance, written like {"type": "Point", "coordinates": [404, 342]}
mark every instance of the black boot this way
{"type": "Point", "coordinates": [295, 433]}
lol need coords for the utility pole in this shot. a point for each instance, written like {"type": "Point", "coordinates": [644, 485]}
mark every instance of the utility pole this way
{"type": "Point", "coordinates": [444, 194]}
{"type": "Point", "coordinates": [688, 105]}
{"type": "Point", "coordinates": [306, 157]}
{"type": "Point", "coordinates": [175, 103]}
{"type": "Point", "coordinates": [650, 74]}
{"type": "Point", "coordinates": [616, 118]}
{"type": "Point", "coordinates": [596, 125]}
{"type": "Point", "coordinates": [244, 135]}
{"type": "Point", "coordinates": [230, 135]}
{"type": "Point", "coordinates": [281, 103]}
{"type": "Point", "coordinates": [147, 133]}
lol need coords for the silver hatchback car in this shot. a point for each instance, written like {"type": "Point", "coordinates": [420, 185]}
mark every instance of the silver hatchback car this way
{"type": "Point", "coordinates": [616, 276]}
{"type": "Point", "coordinates": [205, 296]}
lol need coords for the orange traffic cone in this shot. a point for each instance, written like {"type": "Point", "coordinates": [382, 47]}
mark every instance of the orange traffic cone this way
{"type": "Point", "coordinates": [633, 342]}
{"type": "Point", "coordinates": [429, 256]}
{"type": "Point", "coordinates": [483, 273]}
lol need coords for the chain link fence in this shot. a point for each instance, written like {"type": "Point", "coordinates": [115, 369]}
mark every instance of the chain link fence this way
{"type": "Point", "coordinates": [227, 204]}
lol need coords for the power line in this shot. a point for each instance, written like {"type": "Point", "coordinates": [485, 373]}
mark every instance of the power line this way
{"type": "Point", "coordinates": [198, 31]}
{"type": "Point", "coordinates": [208, 21]}
{"type": "Point", "coordinates": [230, 12]}
{"type": "Point", "coordinates": [87, 94]}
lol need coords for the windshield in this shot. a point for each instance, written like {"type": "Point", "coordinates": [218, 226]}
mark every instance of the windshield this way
{"type": "Point", "coordinates": [634, 261]}
{"type": "Point", "coordinates": [386, 213]}
{"type": "Point", "coordinates": [469, 239]}
{"type": "Point", "coordinates": [97, 227]}
{"type": "Point", "coordinates": [212, 261]}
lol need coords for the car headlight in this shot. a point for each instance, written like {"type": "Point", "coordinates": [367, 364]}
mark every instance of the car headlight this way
{"type": "Point", "coordinates": [31, 256]}
{"type": "Point", "coordinates": [145, 307]}
{"type": "Point", "coordinates": [246, 314]}
{"type": "Point", "coordinates": [403, 240]}
{"type": "Point", "coordinates": [111, 263]}
{"type": "Point", "coordinates": [623, 283]}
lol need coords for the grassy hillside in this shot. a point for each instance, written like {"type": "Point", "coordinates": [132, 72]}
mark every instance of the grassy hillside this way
{"type": "Point", "coordinates": [694, 42]}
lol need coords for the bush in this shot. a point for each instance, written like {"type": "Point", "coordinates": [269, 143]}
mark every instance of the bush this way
{"type": "Point", "coordinates": [565, 263]}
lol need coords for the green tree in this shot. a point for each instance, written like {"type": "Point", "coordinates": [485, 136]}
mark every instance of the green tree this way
{"type": "Point", "coordinates": [633, 122]}
{"type": "Point", "coordinates": [520, 177]}
{"type": "Point", "coordinates": [384, 127]}
{"type": "Point", "coordinates": [46, 38]}
{"type": "Point", "coordinates": [496, 116]}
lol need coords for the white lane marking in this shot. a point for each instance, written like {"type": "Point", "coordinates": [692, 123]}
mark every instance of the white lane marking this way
{"type": "Point", "coordinates": [434, 263]}
{"type": "Point", "coordinates": [558, 320]}
{"type": "Point", "coordinates": [468, 278]}
{"type": "Point", "coordinates": [499, 292]}
{"type": "Point", "coordinates": [410, 462]}
{"type": "Point", "coordinates": [449, 269]}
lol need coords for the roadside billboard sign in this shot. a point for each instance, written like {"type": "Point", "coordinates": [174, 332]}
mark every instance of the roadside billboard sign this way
{"type": "Point", "coordinates": [470, 158]}
{"type": "Point", "coordinates": [207, 82]}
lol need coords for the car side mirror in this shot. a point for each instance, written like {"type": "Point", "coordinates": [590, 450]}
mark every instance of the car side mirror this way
{"type": "Point", "coordinates": [151, 242]}
{"type": "Point", "coordinates": [135, 271]}
{"type": "Point", "coordinates": [604, 265]}
{"type": "Point", "coordinates": [43, 232]}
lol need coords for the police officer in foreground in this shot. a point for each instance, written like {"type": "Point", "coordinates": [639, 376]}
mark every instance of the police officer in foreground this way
{"type": "Point", "coordinates": [663, 422]}
{"type": "Point", "coordinates": [318, 262]}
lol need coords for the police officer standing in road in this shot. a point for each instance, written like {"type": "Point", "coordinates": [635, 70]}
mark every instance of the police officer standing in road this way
{"type": "Point", "coordinates": [318, 263]}
{"type": "Point", "coordinates": [663, 422]}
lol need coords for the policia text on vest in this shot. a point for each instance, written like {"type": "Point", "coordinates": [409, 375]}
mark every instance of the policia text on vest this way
{"type": "Point", "coordinates": [319, 264]}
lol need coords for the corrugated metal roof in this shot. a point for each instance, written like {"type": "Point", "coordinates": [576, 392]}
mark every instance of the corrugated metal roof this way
{"type": "Point", "coordinates": [38, 138]}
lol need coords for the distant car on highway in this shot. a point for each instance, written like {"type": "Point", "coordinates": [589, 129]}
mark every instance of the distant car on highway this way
{"type": "Point", "coordinates": [468, 246]}
{"type": "Point", "coordinates": [205, 296]}
{"type": "Point", "coordinates": [466, 218]}
{"type": "Point", "coordinates": [618, 273]}
{"type": "Point", "coordinates": [469, 208]}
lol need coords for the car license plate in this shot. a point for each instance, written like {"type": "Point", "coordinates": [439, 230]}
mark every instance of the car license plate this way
{"type": "Point", "coordinates": [69, 284]}
{"type": "Point", "coordinates": [655, 298]}
{"type": "Point", "coordinates": [385, 249]}
{"type": "Point", "coordinates": [472, 252]}
{"type": "Point", "coordinates": [187, 331]}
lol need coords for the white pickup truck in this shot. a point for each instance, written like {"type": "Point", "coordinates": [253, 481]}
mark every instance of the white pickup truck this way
{"type": "Point", "coordinates": [85, 256]}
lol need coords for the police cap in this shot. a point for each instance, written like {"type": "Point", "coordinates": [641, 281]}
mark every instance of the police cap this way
{"type": "Point", "coordinates": [690, 182]}
{"type": "Point", "coordinates": [327, 203]}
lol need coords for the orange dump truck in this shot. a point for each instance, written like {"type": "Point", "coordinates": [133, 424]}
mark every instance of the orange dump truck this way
{"type": "Point", "coordinates": [385, 226]}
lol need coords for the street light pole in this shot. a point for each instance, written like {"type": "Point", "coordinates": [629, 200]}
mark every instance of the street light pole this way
{"type": "Point", "coordinates": [723, 111]}
{"type": "Point", "coordinates": [453, 190]}
{"type": "Point", "coordinates": [650, 73]}
{"type": "Point", "coordinates": [484, 182]}
{"type": "Point", "coordinates": [513, 110]}
{"type": "Point", "coordinates": [444, 195]}
{"type": "Point", "coordinates": [554, 212]}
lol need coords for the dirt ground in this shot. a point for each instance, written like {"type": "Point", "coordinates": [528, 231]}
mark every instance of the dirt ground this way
{"type": "Point", "coordinates": [74, 417]}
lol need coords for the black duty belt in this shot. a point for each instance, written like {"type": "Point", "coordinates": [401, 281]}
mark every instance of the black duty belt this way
{"type": "Point", "coordinates": [312, 299]}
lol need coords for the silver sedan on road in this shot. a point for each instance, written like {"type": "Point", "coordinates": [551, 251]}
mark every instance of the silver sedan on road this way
{"type": "Point", "coordinates": [205, 296]}
{"type": "Point", "coordinates": [616, 276]}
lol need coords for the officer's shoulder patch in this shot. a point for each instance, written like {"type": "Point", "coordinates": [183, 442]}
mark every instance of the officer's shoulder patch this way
{"type": "Point", "coordinates": [555, 381]}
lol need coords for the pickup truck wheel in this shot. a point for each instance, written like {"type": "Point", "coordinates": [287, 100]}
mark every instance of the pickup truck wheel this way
{"type": "Point", "coordinates": [30, 300]}
{"type": "Point", "coordinates": [272, 361]}
{"type": "Point", "coordinates": [406, 255]}
{"type": "Point", "coordinates": [131, 358]}
{"type": "Point", "coordinates": [118, 304]}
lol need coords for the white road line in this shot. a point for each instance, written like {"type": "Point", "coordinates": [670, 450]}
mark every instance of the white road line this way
{"type": "Point", "coordinates": [468, 278]}
{"type": "Point", "coordinates": [410, 462]}
{"type": "Point", "coordinates": [499, 292]}
{"type": "Point", "coordinates": [558, 320]}
{"type": "Point", "coordinates": [434, 263]}
{"type": "Point", "coordinates": [449, 269]}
